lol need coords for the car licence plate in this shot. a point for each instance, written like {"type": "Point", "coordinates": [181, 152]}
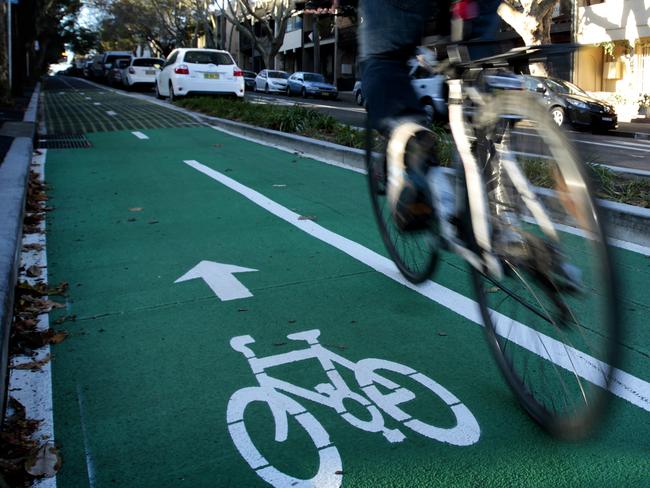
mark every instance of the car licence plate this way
{"type": "Point", "coordinates": [150, 72]}
{"type": "Point", "coordinates": [211, 76]}
{"type": "Point", "coordinates": [607, 119]}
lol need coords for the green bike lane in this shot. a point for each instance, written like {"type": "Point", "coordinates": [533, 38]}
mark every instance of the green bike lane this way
{"type": "Point", "coordinates": [141, 386]}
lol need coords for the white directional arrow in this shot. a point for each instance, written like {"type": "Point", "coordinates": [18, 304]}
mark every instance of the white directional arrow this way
{"type": "Point", "coordinates": [220, 279]}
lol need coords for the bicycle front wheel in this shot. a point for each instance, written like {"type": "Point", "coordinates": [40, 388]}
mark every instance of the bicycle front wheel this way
{"type": "Point", "coordinates": [551, 320]}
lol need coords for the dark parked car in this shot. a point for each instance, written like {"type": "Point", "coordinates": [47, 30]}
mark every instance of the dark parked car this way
{"type": "Point", "coordinates": [570, 104]}
{"type": "Point", "coordinates": [114, 75]}
{"type": "Point", "coordinates": [249, 80]}
{"type": "Point", "coordinates": [314, 84]}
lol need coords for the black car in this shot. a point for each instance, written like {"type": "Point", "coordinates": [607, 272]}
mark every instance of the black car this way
{"type": "Point", "coordinates": [570, 104]}
{"type": "Point", "coordinates": [249, 80]}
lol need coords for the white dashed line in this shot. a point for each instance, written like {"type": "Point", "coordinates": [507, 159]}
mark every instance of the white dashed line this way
{"type": "Point", "coordinates": [140, 135]}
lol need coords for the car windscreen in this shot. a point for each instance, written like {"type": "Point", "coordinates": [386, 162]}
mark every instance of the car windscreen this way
{"type": "Point", "coordinates": [564, 87]}
{"type": "Point", "coordinates": [147, 62]}
{"type": "Point", "coordinates": [207, 57]}
{"type": "Point", "coordinates": [278, 74]}
{"type": "Point", "coordinates": [113, 59]}
{"type": "Point", "coordinates": [314, 77]}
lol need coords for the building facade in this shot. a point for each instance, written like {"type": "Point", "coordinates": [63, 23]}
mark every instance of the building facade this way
{"type": "Point", "coordinates": [615, 62]}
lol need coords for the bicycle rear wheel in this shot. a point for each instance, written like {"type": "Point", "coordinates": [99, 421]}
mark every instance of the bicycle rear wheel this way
{"type": "Point", "coordinates": [414, 252]}
{"type": "Point", "coordinates": [551, 321]}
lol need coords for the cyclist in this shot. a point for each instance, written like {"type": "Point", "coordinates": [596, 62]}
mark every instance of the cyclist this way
{"type": "Point", "coordinates": [389, 33]}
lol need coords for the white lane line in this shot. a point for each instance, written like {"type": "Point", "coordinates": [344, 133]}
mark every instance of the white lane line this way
{"type": "Point", "coordinates": [111, 113]}
{"type": "Point", "coordinates": [631, 144]}
{"type": "Point", "coordinates": [593, 143]}
{"type": "Point", "coordinates": [626, 386]}
{"type": "Point", "coordinates": [90, 461]}
{"type": "Point", "coordinates": [34, 388]}
{"type": "Point", "coordinates": [140, 135]}
{"type": "Point", "coordinates": [97, 103]}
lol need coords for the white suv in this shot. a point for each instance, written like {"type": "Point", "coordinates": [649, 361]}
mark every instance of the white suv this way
{"type": "Point", "coordinates": [198, 71]}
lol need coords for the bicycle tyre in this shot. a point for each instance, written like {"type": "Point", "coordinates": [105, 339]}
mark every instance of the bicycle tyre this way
{"type": "Point", "coordinates": [414, 253]}
{"type": "Point", "coordinates": [564, 342]}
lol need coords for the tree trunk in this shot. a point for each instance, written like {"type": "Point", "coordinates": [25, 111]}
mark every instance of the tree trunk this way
{"type": "Point", "coordinates": [532, 21]}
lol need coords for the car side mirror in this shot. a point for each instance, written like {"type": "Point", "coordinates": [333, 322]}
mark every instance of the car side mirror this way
{"type": "Point", "coordinates": [540, 89]}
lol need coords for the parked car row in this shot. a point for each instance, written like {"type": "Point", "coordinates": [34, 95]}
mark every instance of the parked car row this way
{"type": "Point", "coordinates": [301, 83]}
{"type": "Point", "coordinates": [567, 103]}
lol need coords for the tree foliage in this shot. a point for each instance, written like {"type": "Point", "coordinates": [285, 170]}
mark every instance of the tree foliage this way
{"type": "Point", "coordinates": [263, 22]}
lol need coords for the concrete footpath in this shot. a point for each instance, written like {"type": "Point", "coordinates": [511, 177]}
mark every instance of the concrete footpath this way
{"type": "Point", "coordinates": [14, 172]}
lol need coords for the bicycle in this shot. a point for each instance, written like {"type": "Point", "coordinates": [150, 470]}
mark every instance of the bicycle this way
{"type": "Point", "coordinates": [381, 394]}
{"type": "Point", "coordinates": [538, 257]}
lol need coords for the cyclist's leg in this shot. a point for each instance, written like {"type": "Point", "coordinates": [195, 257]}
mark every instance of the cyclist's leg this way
{"type": "Point", "coordinates": [390, 31]}
{"type": "Point", "coordinates": [388, 36]}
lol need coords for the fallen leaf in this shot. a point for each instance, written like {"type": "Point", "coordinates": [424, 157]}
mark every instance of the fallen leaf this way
{"type": "Point", "coordinates": [442, 333]}
{"type": "Point", "coordinates": [44, 462]}
{"type": "Point", "coordinates": [279, 343]}
{"type": "Point", "coordinates": [494, 289]}
{"type": "Point", "coordinates": [307, 217]}
{"type": "Point", "coordinates": [33, 271]}
{"type": "Point", "coordinates": [153, 221]}
{"type": "Point", "coordinates": [58, 337]}
{"type": "Point", "coordinates": [132, 219]}
{"type": "Point", "coordinates": [33, 365]}
{"type": "Point", "coordinates": [136, 209]}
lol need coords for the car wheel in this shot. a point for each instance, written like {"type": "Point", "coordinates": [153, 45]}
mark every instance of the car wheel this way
{"type": "Point", "coordinates": [158, 95]}
{"type": "Point", "coordinates": [303, 93]}
{"type": "Point", "coordinates": [266, 88]}
{"type": "Point", "coordinates": [172, 98]}
{"type": "Point", "coordinates": [359, 98]}
{"type": "Point", "coordinates": [559, 117]}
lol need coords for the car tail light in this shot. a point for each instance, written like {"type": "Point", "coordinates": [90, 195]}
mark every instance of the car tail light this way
{"type": "Point", "coordinates": [182, 70]}
{"type": "Point", "coordinates": [238, 72]}
{"type": "Point", "coordinates": [131, 70]}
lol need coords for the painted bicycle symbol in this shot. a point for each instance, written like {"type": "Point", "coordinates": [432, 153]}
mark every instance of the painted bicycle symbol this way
{"type": "Point", "coordinates": [272, 392]}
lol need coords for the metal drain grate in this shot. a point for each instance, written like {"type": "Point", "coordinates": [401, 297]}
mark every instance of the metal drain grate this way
{"type": "Point", "coordinates": [68, 141]}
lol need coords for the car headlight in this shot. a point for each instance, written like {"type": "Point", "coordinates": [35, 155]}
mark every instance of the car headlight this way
{"type": "Point", "coordinates": [578, 104]}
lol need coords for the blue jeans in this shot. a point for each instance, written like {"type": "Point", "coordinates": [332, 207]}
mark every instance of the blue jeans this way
{"type": "Point", "coordinates": [389, 32]}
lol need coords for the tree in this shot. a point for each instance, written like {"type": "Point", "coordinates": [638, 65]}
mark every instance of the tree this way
{"type": "Point", "coordinates": [161, 24]}
{"type": "Point", "coordinates": [532, 20]}
{"type": "Point", "coordinates": [263, 22]}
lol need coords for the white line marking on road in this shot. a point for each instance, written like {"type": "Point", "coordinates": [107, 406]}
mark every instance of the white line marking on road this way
{"type": "Point", "coordinates": [626, 386]}
{"type": "Point", "coordinates": [88, 98]}
{"type": "Point", "coordinates": [610, 145]}
{"type": "Point", "coordinates": [97, 103]}
{"type": "Point", "coordinates": [90, 462]}
{"type": "Point", "coordinates": [140, 135]}
{"type": "Point", "coordinates": [34, 388]}
{"type": "Point", "coordinates": [220, 278]}
{"type": "Point", "coordinates": [111, 113]}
